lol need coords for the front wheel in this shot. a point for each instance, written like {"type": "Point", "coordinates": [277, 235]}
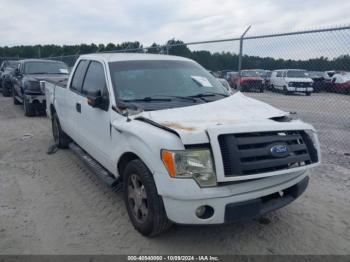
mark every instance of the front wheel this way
{"type": "Point", "coordinates": [308, 93]}
{"type": "Point", "coordinates": [61, 139]}
{"type": "Point", "coordinates": [15, 101]}
{"type": "Point", "coordinates": [144, 205]}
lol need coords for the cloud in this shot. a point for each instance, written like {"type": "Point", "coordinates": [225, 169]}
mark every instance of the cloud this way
{"type": "Point", "coordinates": [88, 21]}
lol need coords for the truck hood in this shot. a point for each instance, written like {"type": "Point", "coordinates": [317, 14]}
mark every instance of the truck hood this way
{"type": "Point", "coordinates": [297, 79]}
{"type": "Point", "coordinates": [192, 122]}
{"type": "Point", "coordinates": [47, 77]}
{"type": "Point", "coordinates": [250, 78]}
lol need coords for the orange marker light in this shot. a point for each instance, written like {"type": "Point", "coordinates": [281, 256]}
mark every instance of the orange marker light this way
{"type": "Point", "coordinates": [168, 160]}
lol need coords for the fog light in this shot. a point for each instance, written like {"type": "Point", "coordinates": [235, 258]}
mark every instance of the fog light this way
{"type": "Point", "coordinates": [204, 212]}
{"type": "Point", "coordinates": [200, 211]}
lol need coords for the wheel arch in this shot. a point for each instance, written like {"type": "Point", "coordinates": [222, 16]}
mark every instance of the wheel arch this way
{"type": "Point", "coordinates": [124, 160]}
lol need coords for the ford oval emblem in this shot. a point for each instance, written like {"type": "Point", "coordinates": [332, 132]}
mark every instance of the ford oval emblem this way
{"type": "Point", "coordinates": [279, 150]}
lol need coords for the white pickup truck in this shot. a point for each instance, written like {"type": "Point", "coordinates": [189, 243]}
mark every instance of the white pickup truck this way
{"type": "Point", "coordinates": [182, 149]}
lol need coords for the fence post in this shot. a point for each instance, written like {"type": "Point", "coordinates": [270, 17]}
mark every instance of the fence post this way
{"type": "Point", "coordinates": [241, 54]}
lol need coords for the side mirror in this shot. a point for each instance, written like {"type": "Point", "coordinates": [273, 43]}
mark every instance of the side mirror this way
{"type": "Point", "coordinates": [17, 72]}
{"type": "Point", "coordinates": [96, 100]}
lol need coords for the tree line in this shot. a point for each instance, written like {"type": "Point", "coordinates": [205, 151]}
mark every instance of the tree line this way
{"type": "Point", "coordinates": [214, 61]}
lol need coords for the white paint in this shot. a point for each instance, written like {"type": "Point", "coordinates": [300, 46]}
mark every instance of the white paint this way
{"type": "Point", "coordinates": [107, 135]}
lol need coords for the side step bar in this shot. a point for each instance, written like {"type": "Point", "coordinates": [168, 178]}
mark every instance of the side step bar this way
{"type": "Point", "coordinates": [96, 168]}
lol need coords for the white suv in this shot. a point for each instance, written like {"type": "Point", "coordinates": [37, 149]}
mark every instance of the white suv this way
{"type": "Point", "coordinates": [291, 80]}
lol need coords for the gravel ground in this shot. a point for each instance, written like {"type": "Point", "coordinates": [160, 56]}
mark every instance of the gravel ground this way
{"type": "Point", "coordinates": [51, 204]}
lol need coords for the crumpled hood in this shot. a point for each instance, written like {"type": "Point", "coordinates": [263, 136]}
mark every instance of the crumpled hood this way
{"type": "Point", "coordinates": [194, 120]}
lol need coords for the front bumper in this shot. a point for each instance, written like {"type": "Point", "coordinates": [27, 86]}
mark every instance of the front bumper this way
{"type": "Point", "coordinates": [245, 205]}
{"type": "Point", "coordinates": [300, 89]}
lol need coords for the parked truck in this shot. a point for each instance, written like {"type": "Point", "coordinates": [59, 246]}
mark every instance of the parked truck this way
{"type": "Point", "coordinates": [166, 132]}
{"type": "Point", "coordinates": [26, 82]}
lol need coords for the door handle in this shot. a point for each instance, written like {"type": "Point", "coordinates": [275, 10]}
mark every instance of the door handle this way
{"type": "Point", "coordinates": [78, 107]}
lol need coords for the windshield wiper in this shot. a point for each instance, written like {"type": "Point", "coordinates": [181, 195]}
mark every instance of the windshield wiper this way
{"type": "Point", "coordinates": [178, 97]}
{"type": "Point", "coordinates": [148, 99]}
{"type": "Point", "coordinates": [209, 94]}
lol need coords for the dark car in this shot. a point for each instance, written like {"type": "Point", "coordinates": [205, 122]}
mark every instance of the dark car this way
{"type": "Point", "coordinates": [7, 69]}
{"type": "Point", "coordinates": [321, 81]}
{"type": "Point", "coordinates": [26, 82]}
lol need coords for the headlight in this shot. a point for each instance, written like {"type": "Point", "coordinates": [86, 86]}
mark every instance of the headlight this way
{"type": "Point", "coordinates": [190, 163]}
{"type": "Point", "coordinates": [314, 145]}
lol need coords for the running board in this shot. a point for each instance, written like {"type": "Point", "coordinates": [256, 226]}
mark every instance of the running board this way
{"type": "Point", "coordinates": [96, 168]}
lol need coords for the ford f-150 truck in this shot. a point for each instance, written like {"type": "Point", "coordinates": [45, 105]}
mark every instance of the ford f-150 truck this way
{"type": "Point", "coordinates": [26, 82]}
{"type": "Point", "coordinates": [167, 133]}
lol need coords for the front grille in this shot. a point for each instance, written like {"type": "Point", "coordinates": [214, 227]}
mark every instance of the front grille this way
{"type": "Point", "coordinates": [253, 83]}
{"type": "Point", "coordinates": [251, 153]}
{"type": "Point", "coordinates": [301, 84]}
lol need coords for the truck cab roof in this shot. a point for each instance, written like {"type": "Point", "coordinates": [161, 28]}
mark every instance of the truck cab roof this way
{"type": "Point", "coordinates": [116, 57]}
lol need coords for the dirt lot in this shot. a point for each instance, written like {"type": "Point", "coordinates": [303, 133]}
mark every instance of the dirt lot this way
{"type": "Point", "coordinates": [51, 204]}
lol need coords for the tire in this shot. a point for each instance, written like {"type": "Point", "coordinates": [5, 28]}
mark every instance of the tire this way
{"type": "Point", "coordinates": [60, 138]}
{"type": "Point", "coordinates": [5, 91]}
{"type": "Point", "coordinates": [15, 101]}
{"type": "Point", "coordinates": [145, 207]}
{"type": "Point", "coordinates": [28, 108]}
{"type": "Point", "coordinates": [285, 91]}
{"type": "Point", "coordinates": [261, 90]}
{"type": "Point", "coordinates": [308, 93]}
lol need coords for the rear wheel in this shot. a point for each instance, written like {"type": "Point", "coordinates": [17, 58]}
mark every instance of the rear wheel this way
{"type": "Point", "coordinates": [144, 205]}
{"type": "Point", "coordinates": [5, 90]}
{"type": "Point", "coordinates": [61, 139]}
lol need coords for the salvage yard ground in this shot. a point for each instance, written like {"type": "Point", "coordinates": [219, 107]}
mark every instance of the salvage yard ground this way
{"type": "Point", "coordinates": [51, 204]}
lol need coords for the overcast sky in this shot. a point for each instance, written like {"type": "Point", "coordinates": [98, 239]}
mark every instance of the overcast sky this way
{"type": "Point", "coordinates": [102, 21]}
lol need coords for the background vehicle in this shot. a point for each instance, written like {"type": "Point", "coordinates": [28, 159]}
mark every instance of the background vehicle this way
{"type": "Point", "coordinates": [340, 83]}
{"type": "Point", "coordinates": [6, 78]}
{"type": "Point", "coordinates": [226, 85]}
{"type": "Point", "coordinates": [184, 150]}
{"type": "Point", "coordinates": [321, 83]}
{"type": "Point", "coordinates": [26, 82]}
{"type": "Point", "coordinates": [266, 79]}
{"type": "Point", "coordinates": [291, 80]}
{"type": "Point", "coordinates": [249, 80]}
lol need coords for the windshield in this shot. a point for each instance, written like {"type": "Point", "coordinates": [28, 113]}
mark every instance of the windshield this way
{"type": "Point", "coordinates": [297, 74]}
{"type": "Point", "coordinates": [12, 64]}
{"type": "Point", "coordinates": [249, 73]}
{"type": "Point", "coordinates": [45, 68]}
{"type": "Point", "coordinates": [134, 80]}
{"type": "Point", "coordinates": [316, 74]}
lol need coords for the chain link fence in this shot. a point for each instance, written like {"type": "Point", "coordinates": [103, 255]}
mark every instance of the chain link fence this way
{"type": "Point", "coordinates": [317, 59]}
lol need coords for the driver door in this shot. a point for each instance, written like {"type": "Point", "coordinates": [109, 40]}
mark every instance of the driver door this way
{"type": "Point", "coordinates": [96, 125]}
